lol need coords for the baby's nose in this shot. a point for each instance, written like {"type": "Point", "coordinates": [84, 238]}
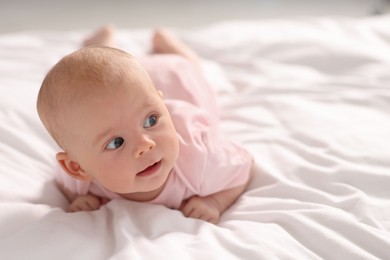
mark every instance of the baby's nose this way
{"type": "Point", "coordinates": [145, 144]}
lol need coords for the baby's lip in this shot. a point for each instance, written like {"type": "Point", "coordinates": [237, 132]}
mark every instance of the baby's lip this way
{"type": "Point", "coordinates": [151, 169]}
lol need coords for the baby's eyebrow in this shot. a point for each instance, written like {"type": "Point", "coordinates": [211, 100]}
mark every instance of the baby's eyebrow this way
{"type": "Point", "coordinates": [101, 136]}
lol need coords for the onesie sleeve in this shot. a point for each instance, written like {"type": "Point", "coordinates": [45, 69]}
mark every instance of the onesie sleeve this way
{"type": "Point", "coordinates": [70, 184]}
{"type": "Point", "coordinates": [227, 165]}
{"type": "Point", "coordinates": [208, 161]}
{"type": "Point", "coordinates": [83, 187]}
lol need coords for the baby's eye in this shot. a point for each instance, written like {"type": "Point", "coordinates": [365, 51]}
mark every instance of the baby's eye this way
{"type": "Point", "coordinates": [150, 121]}
{"type": "Point", "coordinates": [115, 143]}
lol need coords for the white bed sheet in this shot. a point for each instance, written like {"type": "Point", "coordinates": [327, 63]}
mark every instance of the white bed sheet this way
{"type": "Point", "coordinates": [310, 98]}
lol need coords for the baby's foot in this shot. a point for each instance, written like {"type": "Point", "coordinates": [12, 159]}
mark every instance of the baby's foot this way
{"type": "Point", "coordinates": [165, 42]}
{"type": "Point", "coordinates": [103, 37]}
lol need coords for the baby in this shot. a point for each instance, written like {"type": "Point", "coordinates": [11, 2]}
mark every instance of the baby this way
{"type": "Point", "coordinates": [145, 133]}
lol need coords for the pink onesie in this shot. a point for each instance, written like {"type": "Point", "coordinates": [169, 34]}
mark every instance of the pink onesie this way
{"type": "Point", "coordinates": [208, 162]}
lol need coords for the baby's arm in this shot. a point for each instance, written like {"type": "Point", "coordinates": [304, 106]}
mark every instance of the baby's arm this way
{"type": "Point", "coordinates": [210, 208]}
{"type": "Point", "coordinates": [86, 202]}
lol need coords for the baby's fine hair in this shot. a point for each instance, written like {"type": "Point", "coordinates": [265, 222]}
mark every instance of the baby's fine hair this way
{"type": "Point", "coordinates": [87, 69]}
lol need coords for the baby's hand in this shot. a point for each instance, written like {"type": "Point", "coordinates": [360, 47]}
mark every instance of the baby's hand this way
{"type": "Point", "coordinates": [87, 202]}
{"type": "Point", "coordinates": [205, 208]}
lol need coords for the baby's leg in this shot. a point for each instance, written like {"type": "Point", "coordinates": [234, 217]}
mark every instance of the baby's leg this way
{"type": "Point", "coordinates": [178, 73]}
{"type": "Point", "coordinates": [102, 37]}
{"type": "Point", "coordinates": [166, 43]}
{"type": "Point", "coordinates": [163, 42]}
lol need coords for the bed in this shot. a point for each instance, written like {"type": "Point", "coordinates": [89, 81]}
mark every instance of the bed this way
{"type": "Point", "coordinates": [308, 97]}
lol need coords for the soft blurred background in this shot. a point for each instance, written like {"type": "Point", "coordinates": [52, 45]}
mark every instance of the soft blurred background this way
{"type": "Point", "coordinates": [22, 15]}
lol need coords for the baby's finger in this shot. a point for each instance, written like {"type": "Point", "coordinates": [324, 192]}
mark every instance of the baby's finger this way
{"type": "Point", "coordinates": [73, 208]}
{"type": "Point", "coordinates": [92, 204]}
{"type": "Point", "coordinates": [212, 220]}
{"type": "Point", "coordinates": [188, 209]}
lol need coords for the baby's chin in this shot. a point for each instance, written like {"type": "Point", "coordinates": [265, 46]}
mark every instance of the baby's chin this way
{"type": "Point", "coordinates": [147, 193]}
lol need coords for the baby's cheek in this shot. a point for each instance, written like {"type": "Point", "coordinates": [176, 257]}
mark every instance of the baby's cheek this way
{"type": "Point", "coordinates": [115, 180]}
{"type": "Point", "coordinates": [171, 146]}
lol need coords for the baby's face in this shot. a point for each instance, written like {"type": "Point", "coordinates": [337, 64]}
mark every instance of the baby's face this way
{"type": "Point", "coordinates": [123, 137]}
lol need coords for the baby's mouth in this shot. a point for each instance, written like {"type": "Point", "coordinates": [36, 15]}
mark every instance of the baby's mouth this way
{"type": "Point", "coordinates": [150, 169]}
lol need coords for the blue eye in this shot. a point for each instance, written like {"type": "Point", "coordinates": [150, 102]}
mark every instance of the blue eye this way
{"type": "Point", "coordinates": [115, 143]}
{"type": "Point", "coordinates": [150, 121]}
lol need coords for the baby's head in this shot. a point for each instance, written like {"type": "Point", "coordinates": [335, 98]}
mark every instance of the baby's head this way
{"type": "Point", "coordinates": [102, 109]}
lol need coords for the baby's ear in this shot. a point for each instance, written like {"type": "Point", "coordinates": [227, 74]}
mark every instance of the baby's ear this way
{"type": "Point", "coordinates": [71, 167]}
